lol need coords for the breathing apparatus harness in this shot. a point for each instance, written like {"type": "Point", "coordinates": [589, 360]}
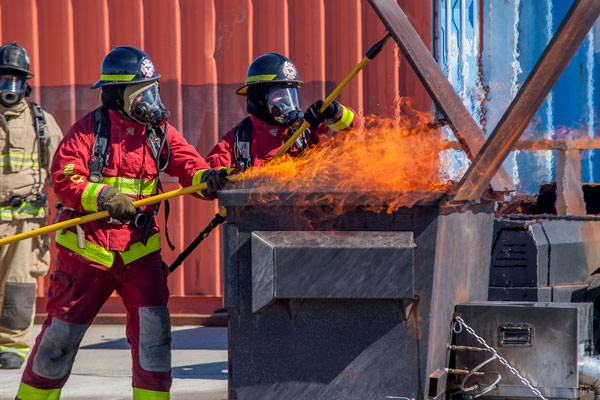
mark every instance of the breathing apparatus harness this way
{"type": "Point", "coordinates": [243, 143]}
{"type": "Point", "coordinates": [157, 140]}
{"type": "Point", "coordinates": [39, 125]}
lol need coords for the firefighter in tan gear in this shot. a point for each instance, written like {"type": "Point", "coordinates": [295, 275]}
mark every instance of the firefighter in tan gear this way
{"type": "Point", "coordinates": [28, 138]}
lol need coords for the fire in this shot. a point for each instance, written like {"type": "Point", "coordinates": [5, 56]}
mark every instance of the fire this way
{"type": "Point", "coordinates": [377, 165]}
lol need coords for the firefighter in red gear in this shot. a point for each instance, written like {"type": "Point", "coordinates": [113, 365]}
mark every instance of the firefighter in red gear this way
{"type": "Point", "coordinates": [272, 102]}
{"type": "Point", "coordinates": [109, 158]}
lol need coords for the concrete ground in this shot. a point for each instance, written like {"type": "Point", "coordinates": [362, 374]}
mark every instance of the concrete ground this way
{"type": "Point", "coordinates": [102, 368]}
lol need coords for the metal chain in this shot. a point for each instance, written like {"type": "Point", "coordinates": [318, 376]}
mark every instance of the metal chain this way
{"type": "Point", "coordinates": [500, 358]}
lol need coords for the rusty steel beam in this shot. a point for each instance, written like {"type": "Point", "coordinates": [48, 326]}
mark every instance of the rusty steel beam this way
{"type": "Point", "coordinates": [554, 60]}
{"type": "Point", "coordinates": [437, 85]}
{"type": "Point", "coordinates": [541, 144]}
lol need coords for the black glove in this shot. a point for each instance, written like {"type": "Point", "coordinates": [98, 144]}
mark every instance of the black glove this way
{"type": "Point", "coordinates": [118, 205]}
{"type": "Point", "coordinates": [314, 117]}
{"type": "Point", "coordinates": [215, 181]}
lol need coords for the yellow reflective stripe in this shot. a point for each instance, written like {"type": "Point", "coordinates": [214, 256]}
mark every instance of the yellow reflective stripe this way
{"type": "Point", "coordinates": [116, 77]}
{"type": "Point", "coordinates": [145, 394]}
{"type": "Point", "coordinates": [226, 169]}
{"type": "Point", "coordinates": [27, 392]}
{"type": "Point", "coordinates": [138, 250]}
{"type": "Point", "coordinates": [21, 163]}
{"type": "Point", "coordinates": [21, 155]}
{"type": "Point", "coordinates": [89, 198]}
{"type": "Point", "coordinates": [344, 122]}
{"type": "Point", "coordinates": [256, 78]}
{"type": "Point", "coordinates": [92, 251]}
{"type": "Point", "coordinates": [25, 209]}
{"type": "Point", "coordinates": [197, 178]}
{"type": "Point", "coordinates": [18, 350]}
{"type": "Point", "coordinates": [19, 159]}
{"type": "Point", "coordinates": [131, 186]}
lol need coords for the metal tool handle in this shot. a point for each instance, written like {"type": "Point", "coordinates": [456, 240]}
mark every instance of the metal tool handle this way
{"type": "Point", "coordinates": [101, 214]}
{"type": "Point", "coordinates": [370, 54]}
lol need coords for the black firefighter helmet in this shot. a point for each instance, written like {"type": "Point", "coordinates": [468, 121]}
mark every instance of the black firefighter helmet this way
{"type": "Point", "coordinates": [125, 65]}
{"type": "Point", "coordinates": [14, 58]}
{"type": "Point", "coordinates": [271, 68]}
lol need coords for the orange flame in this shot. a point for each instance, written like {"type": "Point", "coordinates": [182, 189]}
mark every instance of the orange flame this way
{"type": "Point", "coordinates": [376, 164]}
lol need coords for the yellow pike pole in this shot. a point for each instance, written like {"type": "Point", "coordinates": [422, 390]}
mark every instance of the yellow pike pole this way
{"type": "Point", "coordinates": [101, 214]}
{"type": "Point", "coordinates": [369, 55]}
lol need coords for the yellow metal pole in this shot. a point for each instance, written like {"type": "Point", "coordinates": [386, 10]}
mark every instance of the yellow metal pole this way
{"type": "Point", "coordinates": [101, 214]}
{"type": "Point", "coordinates": [326, 103]}
{"type": "Point", "coordinates": [371, 53]}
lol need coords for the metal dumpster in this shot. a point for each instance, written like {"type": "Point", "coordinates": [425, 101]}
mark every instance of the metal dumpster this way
{"type": "Point", "coordinates": [331, 301]}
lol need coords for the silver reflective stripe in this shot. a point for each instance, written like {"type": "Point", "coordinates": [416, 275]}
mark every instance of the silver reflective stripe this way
{"type": "Point", "coordinates": [155, 339]}
{"type": "Point", "coordinates": [55, 354]}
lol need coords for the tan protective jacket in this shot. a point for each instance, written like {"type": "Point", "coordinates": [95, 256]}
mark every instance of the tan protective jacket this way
{"type": "Point", "coordinates": [19, 160]}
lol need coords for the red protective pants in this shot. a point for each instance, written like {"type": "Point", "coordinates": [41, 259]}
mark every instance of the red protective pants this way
{"type": "Point", "coordinates": [76, 294]}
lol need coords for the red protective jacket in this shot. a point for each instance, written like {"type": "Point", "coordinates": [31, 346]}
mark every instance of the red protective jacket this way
{"type": "Point", "coordinates": [132, 170]}
{"type": "Point", "coordinates": [267, 139]}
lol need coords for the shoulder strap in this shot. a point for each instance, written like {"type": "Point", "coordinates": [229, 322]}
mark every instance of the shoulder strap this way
{"type": "Point", "coordinates": [304, 141]}
{"type": "Point", "coordinates": [157, 140]}
{"type": "Point", "coordinates": [100, 156]}
{"type": "Point", "coordinates": [39, 125]}
{"type": "Point", "coordinates": [242, 144]}
{"type": "Point", "coordinates": [39, 121]}
{"type": "Point", "coordinates": [157, 144]}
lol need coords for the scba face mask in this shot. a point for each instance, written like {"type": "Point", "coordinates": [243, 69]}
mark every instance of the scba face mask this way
{"type": "Point", "coordinates": [283, 106]}
{"type": "Point", "coordinates": [143, 104]}
{"type": "Point", "coordinates": [12, 89]}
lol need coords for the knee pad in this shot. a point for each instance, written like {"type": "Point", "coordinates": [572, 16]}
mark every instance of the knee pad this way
{"type": "Point", "coordinates": [55, 354]}
{"type": "Point", "coordinates": [155, 339]}
{"type": "Point", "coordinates": [17, 310]}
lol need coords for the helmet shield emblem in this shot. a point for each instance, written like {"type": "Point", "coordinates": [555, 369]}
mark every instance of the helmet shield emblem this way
{"type": "Point", "coordinates": [147, 68]}
{"type": "Point", "coordinates": [289, 70]}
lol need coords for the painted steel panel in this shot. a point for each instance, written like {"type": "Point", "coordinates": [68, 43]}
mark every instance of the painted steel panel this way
{"type": "Point", "coordinates": [203, 48]}
{"type": "Point", "coordinates": [488, 48]}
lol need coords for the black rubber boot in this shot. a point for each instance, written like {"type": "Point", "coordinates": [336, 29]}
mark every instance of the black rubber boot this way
{"type": "Point", "coordinates": [10, 361]}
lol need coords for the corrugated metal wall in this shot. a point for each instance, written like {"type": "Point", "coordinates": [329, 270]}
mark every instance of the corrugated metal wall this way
{"type": "Point", "coordinates": [203, 48]}
{"type": "Point", "coordinates": [489, 47]}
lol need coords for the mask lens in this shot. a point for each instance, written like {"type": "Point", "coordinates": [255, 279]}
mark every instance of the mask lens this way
{"type": "Point", "coordinates": [147, 97]}
{"type": "Point", "coordinates": [147, 107]}
{"type": "Point", "coordinates": [283, 105]}
{"type": "Point", "coordinates": [12, 89]}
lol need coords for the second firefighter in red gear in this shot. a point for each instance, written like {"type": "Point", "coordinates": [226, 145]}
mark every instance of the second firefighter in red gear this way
{"type": "Point", "coordinates": [272, 102]}
{"type": "Point", "coordinates": [108, 159]}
